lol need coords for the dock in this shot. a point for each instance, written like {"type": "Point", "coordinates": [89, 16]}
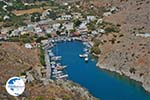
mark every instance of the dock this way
{"type": "Point", "coordinates": [48, 66]}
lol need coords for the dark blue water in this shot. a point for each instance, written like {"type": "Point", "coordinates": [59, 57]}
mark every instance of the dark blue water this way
{"type": "Point", "coordinates": [102, 84]}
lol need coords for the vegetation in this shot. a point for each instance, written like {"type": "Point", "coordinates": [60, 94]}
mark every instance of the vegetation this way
{"type": "Point", "coordinates": [23, 38]}
{"type": "Point", "coordinates": [52, 15]}
{"type": "Point", "coordinates": [95, 50]}
{"type": "Point", "coordinates": [77, 23]}
{"type": "Point", "coordinates": [132, 70]}
{"type": "Point", "coordinates": [91, 25]}
{"type": "Point", "coordinates": [96, 42]}
{"type": "Point", "coordinates": [39, 98]}
{"type": "Point", "coordinates": [23, 73]}
{"type": "Point", "coordinates": [39, 39]}
{"type": "Point", "coordinates": [42, 56]}
{"type": "Point", "coordinates": [52, 98]}
{"type": "Point", "coordinates": [35, 17]}
{"type": "Point", "coordinates": [112, 28]}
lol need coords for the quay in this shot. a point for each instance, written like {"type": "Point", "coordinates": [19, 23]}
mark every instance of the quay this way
{"type": "Point", "coordinates": [53, 68]}
{"type": "Point", "coordinates": [48, 67]}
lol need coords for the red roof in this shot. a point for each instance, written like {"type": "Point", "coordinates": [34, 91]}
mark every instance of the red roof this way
{"type": "Point", "coordinates": [76, 33]}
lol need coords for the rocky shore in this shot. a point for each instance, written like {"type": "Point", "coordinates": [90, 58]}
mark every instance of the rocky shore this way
{"type": "Point", "coordinates": [143, 80]}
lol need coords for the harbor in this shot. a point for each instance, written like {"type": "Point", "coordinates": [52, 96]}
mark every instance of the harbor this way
{"type": "Point", "coordinates": [100, 83]}
{"type": "Point", "coordinates": [69, 58]}
{"type": "Point", "coordinates": [56, 70]}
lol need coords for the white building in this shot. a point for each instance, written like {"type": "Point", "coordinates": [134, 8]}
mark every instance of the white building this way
{"type": "Point", "coordinates": [144, 35]}
{"type": "Point", "coordinates": [38, 29]}
{"type": "Point", "coordinates": [107, 14]}
{"type": "Point", "coordinates": [49, 30]}
{"type": "Point", "coordinates": [6, 17]}
{"type": "Point", "coordinates": [83, 25]}
{"type": "Point", "coordinates": [101, 30]}
{"type": "Point", "coordinates": [68, 26]}
{"type": "Point", "coordinates": [99, 21]}
{"type": "Point", "coordinates": [65, 17]}
{"type": "Point", "coordinates": [15, 33]}
{"type": "Point", "coordinates": [91, 18]}
{"type": "Point", "coordinates": [56, 26]}
{"type": "Point", "coordinates": [28, 46]}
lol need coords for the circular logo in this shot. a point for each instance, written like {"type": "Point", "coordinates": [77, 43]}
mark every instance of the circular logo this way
{"type": "Point", "coordinates": [15, 86]}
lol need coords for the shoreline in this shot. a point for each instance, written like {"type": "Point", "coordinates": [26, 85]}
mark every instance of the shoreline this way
{"type": "Point", "coordinates": [142, 82]}
{"type": "Point", "coordinates": [123, 73]}
{"type": "Point", "coordinates": [118, 71]}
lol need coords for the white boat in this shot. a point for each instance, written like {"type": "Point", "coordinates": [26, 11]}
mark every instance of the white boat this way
{"type": "Point", "coordinates": [83, 55]}
{"type": "Point", "coordinates": [85, 49]}
{"type": "Point", "coordinates": [53, 63]}
{"type": "Point", "coordinates": [86, 59]}
{"type": "Point", "coordinates": [61, 67]}
{"type": "Point", "coordinates": [51, 54]}
{"type": "Point", "coordinates": [62, 76]}
{"type": "Point", "coordinates": [56, 72]}
{"type": "Point", "coordinates": [56, 58]}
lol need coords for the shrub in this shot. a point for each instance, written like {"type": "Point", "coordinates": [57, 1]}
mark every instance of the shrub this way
{"type": "Point", "coordinates": [39, 98]}
{"type": "Point", "coordinates": [95, 50]}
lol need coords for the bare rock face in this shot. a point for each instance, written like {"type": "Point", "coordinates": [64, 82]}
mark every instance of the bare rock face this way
{"type": "Point", "coordinates": [123, 52]}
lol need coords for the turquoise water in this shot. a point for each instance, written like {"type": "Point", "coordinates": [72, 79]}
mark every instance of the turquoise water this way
{"type": "Point", "coordinates": [102, 84]}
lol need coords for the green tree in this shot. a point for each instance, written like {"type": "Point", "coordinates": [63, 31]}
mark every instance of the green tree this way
{"type": "Point", "coordinates": [77, 23]}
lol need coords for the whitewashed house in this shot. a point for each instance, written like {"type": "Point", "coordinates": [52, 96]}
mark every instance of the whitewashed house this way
{"type": "Point", "coordinates": [56, 26]}
{"type": "Point", "coordinates": [68, 26]}
{"type": "Point", "coordinates": [15, 33]}
{"type": "Point", "coordinates": [101, 30]}
{"type": "Point", "coordinates": [107, 14]}
{"type": "Point", "coordinates": [91, 18]}
{"type": "Point", "coordinates": [94, 32]}
{"type": "Point", "coordinates": [65, 17]}
{"type": "Point", "coordinates": [99, 21]}
{"type": "Point", "coordinates": [76, 15]}
{"type": "Point", "coordinates": [144, 35]}
{"type": "Point", "coordinates": [83, 25]}
{"type": "Point", "coordinates": [28, 46]}
{"type": "Point", "coordinates": [114, 9]}
{"type": "Point", "coordinates": [49, 30]}
{"type": "Point", "coordinates": [38, 29]}
{"type": "Point", "coordinates": [6, 17]}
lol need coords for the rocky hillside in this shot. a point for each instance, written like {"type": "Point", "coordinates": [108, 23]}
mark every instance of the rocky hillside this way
{"type": "Point", "coordinates": [124, 52]}
{"type": "Point", "coordinates": [16, 60]}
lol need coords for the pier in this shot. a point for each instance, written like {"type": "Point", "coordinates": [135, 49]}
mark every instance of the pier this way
{"type": "Point", "coordinates": [48, 67]}
{"type": "Point", "coordinates": [55, 69]}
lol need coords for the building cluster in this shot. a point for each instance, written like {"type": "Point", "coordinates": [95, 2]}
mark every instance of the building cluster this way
{"type": "Point", "coordinates": [62, 26]}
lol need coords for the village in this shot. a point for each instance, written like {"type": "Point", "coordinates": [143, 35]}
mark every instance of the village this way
{"type": "Point", "coordinates": [43, 32]}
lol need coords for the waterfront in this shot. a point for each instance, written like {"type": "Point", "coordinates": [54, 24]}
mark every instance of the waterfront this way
{"type": "Point", "coordinates": [102, 84]}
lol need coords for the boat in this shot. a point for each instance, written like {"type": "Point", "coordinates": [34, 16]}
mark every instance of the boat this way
{"type": "Point", "coordinates": [62, 76]}
{"type": "Point", "coordinates": [85, 50]}
{"type": "Point", "coordinates": [56, 58]}
{"type": "Point", "coordinates": [56, 72]}
{"type": "Point", "coordinates": [51, 54]}
{"type": "Point", "coordinates": [83, 55]}
{"type": "Point", "coordinates": [61, 67]}
{"type": "Point", "coordinates": [53, 66]}
{"type": "Point", "coordinates": [53, 63]}
{"type": "Point", "coordinates": [86, 59]}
